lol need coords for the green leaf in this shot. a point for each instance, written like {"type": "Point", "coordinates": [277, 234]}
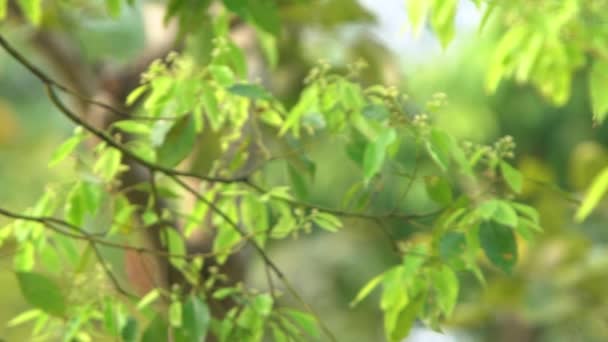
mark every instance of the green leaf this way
{"type": "Point", "coordinates": [327, 221]}
{"type": "Point", "coordinates": [176, 246]}
{"type": "Point", "coordinates": [527, 211]}
{"type": "Point", "coordinates": [32, 10]}
{"type": "Point", "coordinates": [298, 182]}
{"type": "Point", "coordinates": [598, 88]}
{"type": "Point", "coordinates": [442, 19]}
{"type": "Point", "coordinates": [3, 8]}
{"type": "Point", "coordinates": [268, 44]}
{"type": "Point", "coordinates": [308, 102]}
{"type": "Point", "coordinates": [148, 299]}
{"type": "Point", "coordinates": [42, 293]}
{"type": "Point", "coordinates": [452, 245]}
{"type": "Point", "coordinates": [211, 107]}
{"type": "Point", "coordinates": [24, 317]}
{"type": "Point", "coordinates": [113, 7]}
{"type": "Point", "coordinates": [512, 176]}
{"type": "Point", "coordinates": [416, 12]}
{"type": "Point", "coordinates": [108, 165]}
{"type": "Point", "coordinates": [406, 318]}
{"type": "Point", "coordinates": [128, 332]}
{"type": "Point", "coordinates": [132, 126]}
{"type": "Point", "coordinates": [367, 289]}
{"type": "Point", "coordinates": [376, 112]}
{"type": "Point", "coordinates": [594, 194]}
{"type": "Point", "coordinates": [136, 94]}
{"type": "Point", "coordinates": [196, 319]}
{"type": "Point", "coordinates": [226, 238]}
{"type": "Point", "coordinates": [222, 75]}
{"type": "Point", "coordinates": [439, 146]}
{"type": "Point", "coordinates": [307, 322]}
{"type": "Point", "coordinates": [505, 214]}
{"type": "Point", "coordinates": [438, 189]}
{"type": "Point", "coordinates": [237, 6]}
{"type": "Point", "coordinates": [265, 15]}
{"type": "Point", "coordinates": [65, 149]}
{"type": "Point", "coordinates": [250, 91]}
{"type": "Point", "coordinates": [175, 313]}
{"type": "Point", "coordinates": [487, 209]}
{"type": "Point", "coordinates": [499, 245]}
{"type": "Point", "coordinates": [446, 287]}
{"type": "Point", "coordinates": [24, 260]}
{"type": "Point", "coordinates": [156, 331]}
{"type": "Point", "coordinates": [262, 304]}
{"type": "Point", "coordinates": [178, 142]}
{"type": "Point", "coordinates": [84, 199]}
{"type": "Point", "coordinates": [375, 153]}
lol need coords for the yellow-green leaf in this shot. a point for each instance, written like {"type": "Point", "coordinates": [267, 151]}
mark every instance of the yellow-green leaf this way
{"type": "Point", "coordinates": [594, 194]}
{"type": "Point", "coordinates": [598, 88]}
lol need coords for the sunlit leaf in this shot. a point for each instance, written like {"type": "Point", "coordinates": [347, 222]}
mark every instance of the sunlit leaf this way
{"type": "Point", "coordinates": [416, 13]}
{"type": "Point", "coordinates": [446, 285]}
{"type": "Point", "coordinates": [32, 10]}
{"type": "Point", "coordinates": [65, 149]}
{"type": "Point", "coordinates": [594, 194]}
{"type": "Point", "coordinates": [367, 289]}
{"type": "Point", "coordinates": [598, 88]}
{"type": "Point", "coordinates": [505, 214]}
{"type": "Point", "coordinates": [132, 126]}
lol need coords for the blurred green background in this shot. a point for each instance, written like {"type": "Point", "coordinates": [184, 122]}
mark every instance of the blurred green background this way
{"type": "Point", "coordinates": [558, 292]}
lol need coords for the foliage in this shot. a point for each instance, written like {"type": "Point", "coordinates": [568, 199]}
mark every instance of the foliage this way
{"type": "Point", "coordinates": [474, 188]}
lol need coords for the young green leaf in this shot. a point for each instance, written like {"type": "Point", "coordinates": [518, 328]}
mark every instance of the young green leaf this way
{"type": "Point", "coordinates": [405, 319]}
{"type": "Point", "coordinates": [446, 287]}
{"type": "Point", "coordinates": [512, 176]}
{"type": "Point", "coordinates": [65, 149]}
{"type": "Point", "coordinates": [222, 74]}
{"type": "Point", "coordinates": [505, 214]}
{"type": "Point", "coordinates": [375, 153]}
{"type": "Point", "coordinates": [327, 221]}
{"type": "Point", "coordinates": [133, 127]}
{"type": "Point", "coordinates": [42, 292]}
{"type": "Point", "coordinates": [307, 322]}
{"type": "Point", "coordinates": [367, 289]}
{"type": "Point", "coordinates": [594, 194]}
{"type": "Point", "coordinates": [416, 13]}
{"type": "Point", "coordinates": [32, 10]}
{"type": "Point", "coordinates": [24, 317]}
{"type": "Point", "coordinates": [176, 246]}
{"type": "Point", "coordinates": [598, 87]}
